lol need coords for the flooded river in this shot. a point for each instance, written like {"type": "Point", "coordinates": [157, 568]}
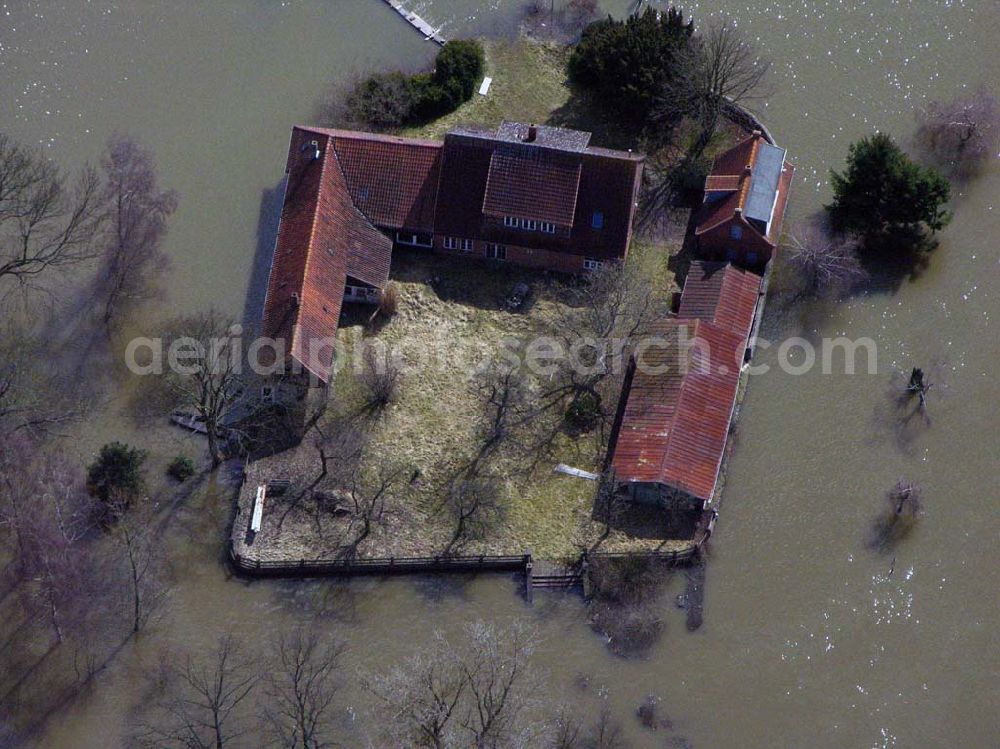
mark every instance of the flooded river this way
{"type": "Point", "coordinates": [808, 638]}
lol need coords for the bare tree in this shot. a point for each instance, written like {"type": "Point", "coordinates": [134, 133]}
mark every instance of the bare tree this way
{"type": "Point", "coordinates": [903, 509]}
{"type": "Point", "coordinates": [961, 134]}
{"type": "Point", "coordinates": [137, 221]}
{"type": "Point", "coordinates": [503, 394]}
{"type": "Point", "coordinates": [905, 498]}
{"type": "Point", "coordinates": [301, 690]}
{"type": "Point", "coordinates": [206, 699]}
{"type": "Point", "coordinates": [46, 509]}
{"type": "Point", "coordinates": [821, 262]}
{"type": "Point", "coordinates": [380, 376]}
{"type": "Point", "coordinates": [475, 505]}
{"type": "Point", "coordinates": [473, 693]}
{"type": "Point", "coordinates": [208, 376]}
{"type": "Point", "coordinates": [606, 733]}
{"type": "Point", "coordinates": [371, 491]}
{"type": "Point", "coordinates": [45, 225]}
{"type": "Point", "coordinates": [138, 560]}
{"type": "Point", "coordinates": [718, 69]}
{"type": "Point", "coordinates": [606, 314]}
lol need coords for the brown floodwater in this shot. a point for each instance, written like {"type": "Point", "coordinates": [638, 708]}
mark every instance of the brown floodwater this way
{"type": "Point", "coordinates": [808, 638]}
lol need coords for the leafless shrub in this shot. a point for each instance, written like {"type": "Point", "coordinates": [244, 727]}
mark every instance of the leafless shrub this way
{"type": "Point", "coordinates": [476, 505]}
{"type": "Point", "coordinates": [388, 301]}
{"type": "Point", "coordinates": [381, 376]}
{"type": "Point", "coordinates": [626, 601]}
{"type": "Point", "coordinates": [137, 212]}
{"type": "Point", "coordinates": [960, 135]}
{"type": "Point", "coordinates": [821, 263]}
{"type": "Point", "coordinates": [470, 693]}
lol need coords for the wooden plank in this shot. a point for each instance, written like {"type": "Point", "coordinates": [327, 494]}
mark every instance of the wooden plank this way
{"type": "Point", "coordinates": [485, 87]}
{"type": "Point", "coordinates": [578, 472]}
{"type": "Point", "coordinates": [258, 508]}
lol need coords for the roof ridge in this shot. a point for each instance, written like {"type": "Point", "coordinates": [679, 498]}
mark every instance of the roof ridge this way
{"type": "Point", "coordinates": [309, 248]}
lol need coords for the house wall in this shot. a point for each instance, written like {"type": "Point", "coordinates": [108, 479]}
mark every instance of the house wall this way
{"type": "Point", "coordinates": [718, 243]}
{"type": "Point", "coordinates": [529, 257]}
{"type": "Point", "coordinates": [660, 495]}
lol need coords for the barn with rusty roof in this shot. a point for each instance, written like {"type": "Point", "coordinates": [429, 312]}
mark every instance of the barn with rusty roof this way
{"type": "Point", "coordinates": [673, 420]}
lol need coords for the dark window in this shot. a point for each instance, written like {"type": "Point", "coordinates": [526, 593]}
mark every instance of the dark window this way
{"type": "Point", "coordinates": [736, 231]}
{"type": "Point", "coordinates": [732, 253]}
{"type": "Point", "coordinates": [597, 220]}
{"type": "Point", "coordinates": [751, 257]}
{"type": "Point", "coordinates": [496, 252]}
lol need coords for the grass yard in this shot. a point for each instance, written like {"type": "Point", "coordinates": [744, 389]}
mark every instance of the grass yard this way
{"type": "Point", "coordinates": [450, 322]}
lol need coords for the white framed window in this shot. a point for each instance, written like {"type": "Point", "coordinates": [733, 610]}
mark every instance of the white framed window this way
{"type": "Point", "coordinates": [597, 220]}
{"type": "Point", "coordinates": [530, 224]}
{"type": "Point", "coordinates": [496, 251]}
{"type": "Point", "coordinates": [590, 263]}
{"type": "Point", "coordinates": [512, 222]}
{"type": "Point", "coordinates": [467, 245]}
{"type": "Point", "coordinates": [548, 227]}
{"type": "Point", "coordinates": [736, 231]}
{"type": "Point", "coordinates": [451, 243]}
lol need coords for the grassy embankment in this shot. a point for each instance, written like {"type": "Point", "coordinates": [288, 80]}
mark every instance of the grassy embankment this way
{"type": "Point", "coordinates": [434, 424]}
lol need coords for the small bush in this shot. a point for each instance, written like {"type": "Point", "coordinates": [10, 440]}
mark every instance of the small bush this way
{"type": "Point", "coordinates": [388, 302]}
{"type": "Point", "coordinates": [584, 413]}
{"type": "Point", "coordinates": [383, 100]}
{"type": "Point", "coordinates": [389, 100]}
{"type": "Point", "coordinates": [181, 468]}
{"type": "Point", "coordinates": [117, 470]}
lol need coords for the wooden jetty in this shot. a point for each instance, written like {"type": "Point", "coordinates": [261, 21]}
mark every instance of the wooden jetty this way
{"type": "Point", "coordinates": [430, 33]}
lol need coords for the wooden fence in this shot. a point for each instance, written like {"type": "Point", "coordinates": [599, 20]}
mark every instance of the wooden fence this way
{"type": "Point", "coordinates": [380, 565]}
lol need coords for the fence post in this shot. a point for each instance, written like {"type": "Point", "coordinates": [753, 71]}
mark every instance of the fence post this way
{"type": "Point", "coordinates": [528, 576]}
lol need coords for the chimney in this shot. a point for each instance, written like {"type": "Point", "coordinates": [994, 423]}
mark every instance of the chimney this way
{"type": "Point", "coordinates": [532, 134]}
{"type": "Point", "coordinates": [311, 149]}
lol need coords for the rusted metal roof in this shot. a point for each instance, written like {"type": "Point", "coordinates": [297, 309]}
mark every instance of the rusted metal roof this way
{"type": "Point", "coordinates": [722, 294]}
{"type": "Point", "coordinates": [678, 408]}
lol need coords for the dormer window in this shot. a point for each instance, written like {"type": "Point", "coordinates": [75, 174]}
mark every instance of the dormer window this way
{"type": "Point", "coordinates": [529, 223]}
{"type": "Point", "coordinates": [597, 220]}
{"type": "Point", "coordinates": [512, 222]}
{"type": "Point", "coordinates": [548, 227]}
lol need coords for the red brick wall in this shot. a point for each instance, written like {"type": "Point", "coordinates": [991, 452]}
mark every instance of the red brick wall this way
{"type": "Point", "coordinates": [532, 258]}
{"type": "Point", "coordinates": [715, 244]}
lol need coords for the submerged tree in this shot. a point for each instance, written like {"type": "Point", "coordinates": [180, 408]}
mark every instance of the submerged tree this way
{"type": "Point", "coordinates": [46, 224]}
{"type": "Point", "coordinates": [469, 693]}
{"type": "Point", "coordinates": [891, 203]}
{"type": "Point", "coordinates": [960, 135]}
{"type": "Point", "coordinates": [301, 689]}
{"type": "Point", "coordinates": [904, 508]}
{"type": "Point", "coordinates": [137, 212]}
{"type": "Point", "coordinates": [207, 702]}
{"type": "Point", "coordinates": [207, 371]}
{"type": "Point", "coordinates": [821, 262]}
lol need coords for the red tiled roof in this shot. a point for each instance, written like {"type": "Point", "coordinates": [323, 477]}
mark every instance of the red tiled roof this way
{"type": "Point", "coordinates": [532, 182]}
{"type": "Point", "coordinates": [675, 423]}
{"type": "Point", "coordinates": [608, 183]}
{"type": "Point", "coordinates": [393, 181]}
{"type": "Point", "coordinates": [321, 238]}
{"type": "Point", "coordinates": [722, 294]}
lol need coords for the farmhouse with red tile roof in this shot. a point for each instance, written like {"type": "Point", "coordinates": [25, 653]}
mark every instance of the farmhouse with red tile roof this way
{"type": "Point", "coordinates": [532, 195]}
{"type": "Point", "coordinates": [745, 197]}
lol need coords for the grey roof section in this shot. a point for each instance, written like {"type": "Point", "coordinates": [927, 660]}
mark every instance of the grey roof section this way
{"type": "Point", "coordinates": [764, 182]}
{"type": "Point", "coordinates": [551, 137]}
